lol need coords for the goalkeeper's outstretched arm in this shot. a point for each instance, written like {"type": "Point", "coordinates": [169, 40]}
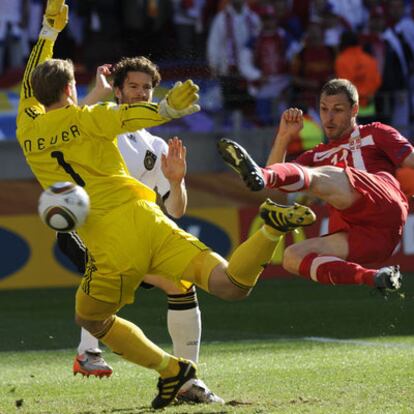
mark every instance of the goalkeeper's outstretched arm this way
{"type": "Point", "coordinates": [181, 100]}
{"type": "Point", "coordinates": [54, 21]}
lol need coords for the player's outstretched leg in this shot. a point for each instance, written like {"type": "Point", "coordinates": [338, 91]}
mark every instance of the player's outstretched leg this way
{"type": "Point", "coordinates": [388, 279]}
{"type": "Point", "coordinates": [91, 363]}
{"type": "Point", "coordinates": [248, 260]}
{"type": "Point", "coordinates": [169, 387]}
{"type": "Point", "coordinates": [237, 158]}
{"type": "Point", "coordinates": [286, 218]}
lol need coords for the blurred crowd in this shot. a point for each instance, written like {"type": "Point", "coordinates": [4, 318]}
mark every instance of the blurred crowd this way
{"type": "Point", "coordinates": [265, 54]}
{"type": "Point", "coordinates": [281, 52]}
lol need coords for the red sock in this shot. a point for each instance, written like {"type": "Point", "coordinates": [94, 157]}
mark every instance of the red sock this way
{"type": "Point", "coordinates": [330, 270]}
{"type": "Point", "coordinates": [287, 177]}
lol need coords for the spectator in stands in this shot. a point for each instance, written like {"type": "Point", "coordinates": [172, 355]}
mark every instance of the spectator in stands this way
{"type": "Point", "coordinates": [404, 22]}
{"type": "Point", "coordinates": [334, 26]}
{"type": "Point", "coordinates": [33, 25]}
{"type": "Point", "coordinates": [311, 67]}
{"type": "Point", "coordinates": [301, 9]}
{"type": "Point", "coordinates": [231, 30]}
{"type": "Point", "coordinates": [404, 27]}
{"type": "Point", "coordinates": [368, 6]}
{"type": "Point", "coordinates": [13, 23]}
{"type": "Point", "coordinates": [269, 77]}
{"type": "Point", "coordinates": [394, 100]}
{"type": "Point", "coordinates": [187, 18]}
{"type": "Point", "coordinates": [317, 8]}
{"type": "Point", "coordinates": [371, 36]}
{"type": "Point", "coordinates": [103, 28]}
{"type": "Point", "coordinates": [287, 19]}
{"type": "Point", "coordinates": [351, 11]}
{"type": "Point", "coordinates": [70, 43]}
{"type": "Point", "coordinates": [361, 69]}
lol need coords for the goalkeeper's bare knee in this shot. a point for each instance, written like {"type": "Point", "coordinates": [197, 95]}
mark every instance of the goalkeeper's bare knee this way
{"type": "Point", "coordinates": [222, 285]}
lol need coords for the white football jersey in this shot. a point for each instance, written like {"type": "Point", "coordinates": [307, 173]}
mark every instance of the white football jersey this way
{"type": "Point", "coordinates": [142, 154]}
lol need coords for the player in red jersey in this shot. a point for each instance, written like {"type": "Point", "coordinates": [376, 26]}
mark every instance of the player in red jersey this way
{"type": "Point", "coordinates": [354, 172]}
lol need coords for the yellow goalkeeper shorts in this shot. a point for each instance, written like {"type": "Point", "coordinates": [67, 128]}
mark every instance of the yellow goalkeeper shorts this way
{"type": "Point", "coordinates": [130, 242]}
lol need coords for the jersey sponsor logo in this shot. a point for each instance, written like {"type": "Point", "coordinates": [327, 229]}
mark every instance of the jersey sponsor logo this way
{"type": "Point", "coordinates": [149, 160]}
{"type": "Point", "coordinates": [40, 144]}
{"type": "Point", "coordinates": [15, 252]}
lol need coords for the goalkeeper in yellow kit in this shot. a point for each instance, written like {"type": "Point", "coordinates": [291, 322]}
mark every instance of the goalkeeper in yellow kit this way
{"type": "Point", "coordinates": [126, 233]}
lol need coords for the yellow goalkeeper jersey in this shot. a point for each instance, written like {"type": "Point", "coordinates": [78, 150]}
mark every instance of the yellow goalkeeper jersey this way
{"type": "Point", "coordinates": [78, 144]}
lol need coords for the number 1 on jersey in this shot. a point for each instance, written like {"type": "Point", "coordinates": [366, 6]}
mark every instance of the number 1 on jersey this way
{"type": "Point", "coordinates": [67, 167]}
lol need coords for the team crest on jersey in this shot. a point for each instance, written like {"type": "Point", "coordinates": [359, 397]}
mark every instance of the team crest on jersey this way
{"type": "Point", "coordinates": [355, 144]}
{"type": "Point", "coordinates": [131, 137]}
{"type": "Point", "coordinates": [149, 160]}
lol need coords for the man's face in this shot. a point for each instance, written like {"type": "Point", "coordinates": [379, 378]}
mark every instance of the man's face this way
{"type": "Point", "coordinates": [338, 117]}
{"type": "Point", "coordinates": [137, 87]}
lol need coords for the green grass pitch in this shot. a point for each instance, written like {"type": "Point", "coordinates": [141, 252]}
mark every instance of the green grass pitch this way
{"type": "Point", "coordinates": [292, 347]}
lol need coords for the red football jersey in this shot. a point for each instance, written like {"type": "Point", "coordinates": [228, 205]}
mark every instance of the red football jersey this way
{"type": "Point", "coordinates": [374, 147]}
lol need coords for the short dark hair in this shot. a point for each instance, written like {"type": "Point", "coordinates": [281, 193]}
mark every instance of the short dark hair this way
{"type": "Point", "coordinates": [50, 78]}
{"type": "Point", "coordinates": [337, 86]}
{"type": "Point", "coordinates": [135, 64]}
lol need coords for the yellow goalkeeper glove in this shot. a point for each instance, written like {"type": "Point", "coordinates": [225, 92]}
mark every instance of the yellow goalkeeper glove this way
{"type": "Point", "coordinates": [54, 19]}
{"type": "Point", "coordinates": [181, 100]}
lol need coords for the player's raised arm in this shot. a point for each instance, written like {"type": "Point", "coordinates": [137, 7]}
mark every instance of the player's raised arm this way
{"type": "Point", "coordinates": [102, 87]}
{"type": "Point", "coordinates": [291, 122]}
{"type": "Point", "coordinates": [180, 101]}
{"type": "Point", "coordinates": [54, 21]}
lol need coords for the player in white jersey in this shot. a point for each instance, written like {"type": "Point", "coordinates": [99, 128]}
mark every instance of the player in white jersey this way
{"type": "Point", "coordinates": [162, 167]}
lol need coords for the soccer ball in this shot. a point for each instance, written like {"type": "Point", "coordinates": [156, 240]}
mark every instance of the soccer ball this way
{"type": "Point", "coordinates": [64, 206]}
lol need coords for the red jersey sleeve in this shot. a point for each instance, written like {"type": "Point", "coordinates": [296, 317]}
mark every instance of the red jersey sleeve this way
{"type": "Point", "coordinates": [306, 158]}
{"type": "Point", "coordinates": [391, 142]}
